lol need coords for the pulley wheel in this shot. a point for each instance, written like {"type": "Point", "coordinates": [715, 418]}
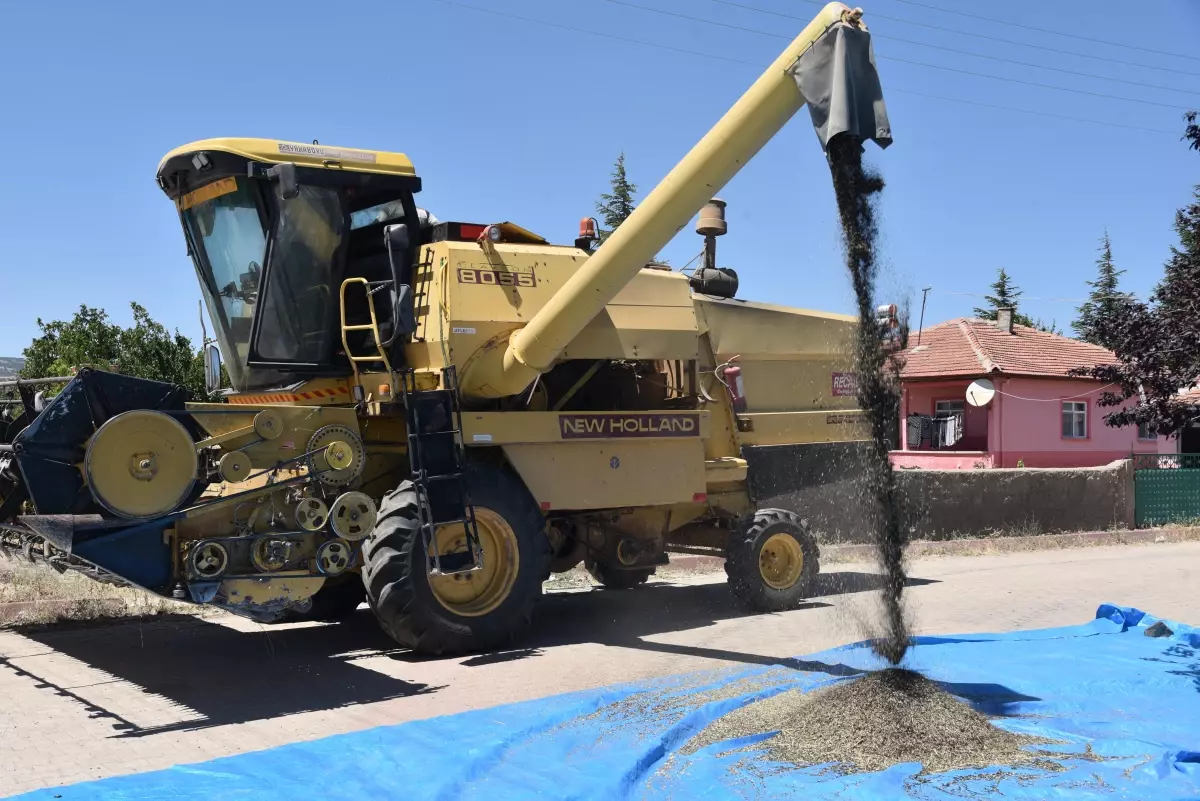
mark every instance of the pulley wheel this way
{"type": "Point", "coordinates": [338, 455]}
{"type": "Point", "coordinates": [141, 464]}
{"type": "Point", "coordinates": [349, 453]}
{"type": "Point", "coordinates": [311, 514]}
{"type": "Point", "coordinates": [268, 424]}
{"type": "Point", "coordinates": [234, 467]}
{"type": "Point", "coordinates": [353, 516]}
{"type": "Point", "coordinates": [270, 553]}
{"type": "Point", "coordinates": [334, 558]}
{"type": "Point", "coordinates": [209, 560]}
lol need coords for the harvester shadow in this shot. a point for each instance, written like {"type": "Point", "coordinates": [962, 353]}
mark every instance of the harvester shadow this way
{"type": "Point", "coordinates": [625, 618]}
{"type": "Point", "coordinates": [208, 675]}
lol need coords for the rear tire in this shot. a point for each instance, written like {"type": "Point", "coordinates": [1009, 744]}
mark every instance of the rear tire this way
{"type": "Point", "coordinates": [773, 562]}
{"type": "Point", "coordinates": [615, 578]}
{"type": "Point", "coordinates": [401, 592]}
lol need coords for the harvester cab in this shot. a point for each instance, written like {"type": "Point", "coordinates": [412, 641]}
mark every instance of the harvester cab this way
{"type": "Point", "coordinates": [434, 416]}
{"type": "Point", "coordinates": [276, 229]}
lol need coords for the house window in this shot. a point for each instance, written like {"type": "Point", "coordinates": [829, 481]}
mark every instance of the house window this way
{"type": "Point", "coordinates": [1074, 420]}
{"type": "Point", "coordinates": [949, 407]}
{"type": "Point", "coordinates": [1144, 432]}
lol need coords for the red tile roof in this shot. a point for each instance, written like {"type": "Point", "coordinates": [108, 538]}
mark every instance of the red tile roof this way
{"type": "Point", "coordinates": [967, 348]}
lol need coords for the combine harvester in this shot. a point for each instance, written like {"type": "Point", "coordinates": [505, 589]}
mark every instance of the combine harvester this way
{"type": "Point", "coordinates": [454, 411]}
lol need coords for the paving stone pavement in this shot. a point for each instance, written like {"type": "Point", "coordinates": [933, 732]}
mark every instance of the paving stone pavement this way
{"type": "Point", "coordinates": [85, 702]}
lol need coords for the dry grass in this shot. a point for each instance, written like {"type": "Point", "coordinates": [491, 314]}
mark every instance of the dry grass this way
{"type": "Point", "coordinates": [871, 723]}
{"type": "Point", "coordinates": [32, 595]}
{"type": "Point", "coordinates": [1001, 543]}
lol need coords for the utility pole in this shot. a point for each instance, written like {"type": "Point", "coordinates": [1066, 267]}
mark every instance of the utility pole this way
{"type": "Point", "coordinates": [921, 326]}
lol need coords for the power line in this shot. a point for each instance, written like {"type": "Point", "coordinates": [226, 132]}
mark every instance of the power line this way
{"type": "Point", "coordinates": [712, 56]}
{"type": "Point", "coordinates": [1030, 111]}
{"type": "Point", "coordinates": [956, 32]}
{"type": "Point", "coordinates": [613, 36]}
{"type": "Point", "coordinates": [1125, 296]}
{"type": "Point", "coordinates": [919, 44]}
{"type": "Point", "coordinates": [1037, 84]}
{"type": "Point", "coordinates": [1038, 66]}
{"type": "Point", "coordinates": [1081, 38]}
{"type": "Point", "coordinates": [959, 70]}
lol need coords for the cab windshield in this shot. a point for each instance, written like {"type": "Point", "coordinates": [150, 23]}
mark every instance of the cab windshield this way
{"type": "Point", "coordinates": [226, 224]}
{"type": "Point", "coordinates": [281, 315]}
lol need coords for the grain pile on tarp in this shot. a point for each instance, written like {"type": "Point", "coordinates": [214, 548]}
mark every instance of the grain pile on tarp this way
{"type": "Point", "coordinates": [1124, 707]}
{"type": "Point", "coordinates": [871, 723]}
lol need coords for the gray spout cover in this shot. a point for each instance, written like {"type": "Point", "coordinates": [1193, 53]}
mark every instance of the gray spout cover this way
{"type": "Point", "coordinates": [838, 80]}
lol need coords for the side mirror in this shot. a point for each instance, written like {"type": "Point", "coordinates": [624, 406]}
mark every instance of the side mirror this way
{"type": "Point", "coordinates": [396, 237]}
{"type": "Point", "coordinates": [285, 174]}
{"type": "Point", "coordinates": [212, 368]}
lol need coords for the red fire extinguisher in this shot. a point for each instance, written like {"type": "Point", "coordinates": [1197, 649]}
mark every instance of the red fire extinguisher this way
{"type": "Point", "coordinates": [737, 389]}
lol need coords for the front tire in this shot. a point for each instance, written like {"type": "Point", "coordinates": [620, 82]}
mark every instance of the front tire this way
{"type": "Point", "coordinates": [773, 563]}
{"type": "Point", "coordinates": [472, 611]}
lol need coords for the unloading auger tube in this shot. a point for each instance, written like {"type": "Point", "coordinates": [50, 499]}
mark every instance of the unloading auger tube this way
{"type": "Point", "coordinates": [830, 65]}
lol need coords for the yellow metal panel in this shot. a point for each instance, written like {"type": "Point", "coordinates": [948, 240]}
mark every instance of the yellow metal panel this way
{"type": "Point", "coordinates": [786, 428]}
{"type": "Point", "coordinates": [506, 428]}
{"type": "Point", "coordinates": [275, 151]}
{"type": "Point", "coordinates": [317, 392]}
{"type": "Point", "coordinates": [725, 470]}
{"type": "Point", "coordinates": [773, 385]}
{"type": "Point", "coordinates": [258, 591]}
{"type": "Point", "coordinates": [770, 331]}
{"type": "Point", "coordinates": [791, 359]}
{"type": "Point", "coordinates": [479, 295]}
{"type": "Point", "coordinates": [637, 332]}
{"type": "Point", "coordinates": [611, 473]}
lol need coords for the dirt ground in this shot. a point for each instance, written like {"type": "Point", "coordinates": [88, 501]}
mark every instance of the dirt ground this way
{"type": "Point", "coordinates": [113, 698]}
{"type": "Point", "coordinates": [36, 595]}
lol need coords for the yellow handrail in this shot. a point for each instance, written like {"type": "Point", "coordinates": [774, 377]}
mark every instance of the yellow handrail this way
{"type": "Point", "coordinates": [373, 327]}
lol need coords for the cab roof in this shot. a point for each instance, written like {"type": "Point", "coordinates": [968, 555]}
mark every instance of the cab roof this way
{"type": "Point", "coordinates": [276, 151]}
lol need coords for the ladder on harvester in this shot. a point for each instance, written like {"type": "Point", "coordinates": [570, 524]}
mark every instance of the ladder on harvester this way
{"type": "Point", "coordinates": [438, 465]}
{"type": "Point", "coordinates": [370, 288]}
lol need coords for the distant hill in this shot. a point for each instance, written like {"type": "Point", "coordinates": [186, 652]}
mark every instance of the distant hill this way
{"type": "Point", "coordinates": [9, 365]}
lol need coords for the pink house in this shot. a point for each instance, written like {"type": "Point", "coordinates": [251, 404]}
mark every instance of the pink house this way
{"type": "Point", "coordinates": [1038, 417]}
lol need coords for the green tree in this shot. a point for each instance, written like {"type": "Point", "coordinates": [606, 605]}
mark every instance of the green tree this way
{"type": "Point", "coordinates": [1006, 294]}
{"type": "Point", "coordinates": [145, 350]}
{"type": "Point", "coordinates": [615, 206]}
{"type": "Point", "coordinates": [1156, 341]}
{"type": "Point", "coordinates": [1103, 301]}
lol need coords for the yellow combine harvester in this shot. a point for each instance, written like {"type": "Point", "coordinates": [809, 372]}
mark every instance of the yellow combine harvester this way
{"type": "Point", "coordinates": [452, 411]}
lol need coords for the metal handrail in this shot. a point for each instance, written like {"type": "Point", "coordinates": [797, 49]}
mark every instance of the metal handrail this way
{"type": "Point", "coordinates": [34, 382]}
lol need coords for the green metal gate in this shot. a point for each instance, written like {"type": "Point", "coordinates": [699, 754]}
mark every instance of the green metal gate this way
{"type": "Point", "coordinates": [1166, 488]}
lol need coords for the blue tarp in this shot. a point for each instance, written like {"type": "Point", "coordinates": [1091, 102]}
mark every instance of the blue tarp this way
{"type": "Point", "coordinates": [1126, 706]}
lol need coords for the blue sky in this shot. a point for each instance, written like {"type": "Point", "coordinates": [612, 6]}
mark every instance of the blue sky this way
{"type": "Point", "coordinates": [508, 119]}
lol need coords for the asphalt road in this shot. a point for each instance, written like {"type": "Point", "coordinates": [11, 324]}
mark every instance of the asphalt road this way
{"type": "Point", "coordinates": [85, 702]}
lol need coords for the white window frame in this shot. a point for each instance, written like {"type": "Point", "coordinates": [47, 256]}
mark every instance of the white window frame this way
{"type": "Point", "coordinates": [1077, 412]}
{"type": "Point", "coordinates": [1143, 434]}
{"type": "Point", "coordinates": [937, 407]}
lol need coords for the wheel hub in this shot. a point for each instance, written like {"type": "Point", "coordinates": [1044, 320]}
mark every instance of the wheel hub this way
{"type": "Point", "coordinates": [781, 561]}
{"type": "Point", "coordinates": [478, 592]}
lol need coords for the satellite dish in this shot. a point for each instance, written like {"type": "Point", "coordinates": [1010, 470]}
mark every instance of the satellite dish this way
{"type": "Point", "coordinates": [980, 392]}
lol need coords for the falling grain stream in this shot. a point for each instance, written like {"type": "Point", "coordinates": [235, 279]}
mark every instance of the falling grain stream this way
{"type": "Point", "coordinates": [857, 189]}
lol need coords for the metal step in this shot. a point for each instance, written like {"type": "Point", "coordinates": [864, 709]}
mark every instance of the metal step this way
{"type": "Point", "coordinates": [444, 448]}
